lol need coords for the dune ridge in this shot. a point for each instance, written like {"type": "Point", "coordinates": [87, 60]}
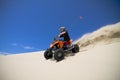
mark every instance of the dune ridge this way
{"type": "Point", "coordinates": [105, 35]}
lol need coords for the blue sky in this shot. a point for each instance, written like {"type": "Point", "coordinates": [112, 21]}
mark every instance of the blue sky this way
{"type": "Point", "coordinates": [31, 25]}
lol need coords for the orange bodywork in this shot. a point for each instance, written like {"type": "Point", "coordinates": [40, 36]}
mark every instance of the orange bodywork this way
{"type": "Point", "coordinates": [60, 44]}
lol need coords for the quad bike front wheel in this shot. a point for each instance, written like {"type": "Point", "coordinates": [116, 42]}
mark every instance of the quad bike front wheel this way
{"type": "Point", "coordinates": [48, 54]}
{"type": "Point", "coordinates": [59, 55]}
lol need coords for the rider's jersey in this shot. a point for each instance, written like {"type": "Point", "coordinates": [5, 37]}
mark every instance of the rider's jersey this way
{"type": "Point", "coordinates": [65, 36]}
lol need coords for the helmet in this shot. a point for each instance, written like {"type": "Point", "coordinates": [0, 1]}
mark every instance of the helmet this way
{"type": "Point", "coordinates": [62, 29]}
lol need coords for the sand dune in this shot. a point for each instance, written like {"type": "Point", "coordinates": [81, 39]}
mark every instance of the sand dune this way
{"type": "Point", "coordinates": [98, 63]}
{"type": "Point", "coordinates": [105, 35]}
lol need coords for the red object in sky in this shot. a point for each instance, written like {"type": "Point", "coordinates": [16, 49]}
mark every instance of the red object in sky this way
{"type": "Point", "coordinates": [81, 17]}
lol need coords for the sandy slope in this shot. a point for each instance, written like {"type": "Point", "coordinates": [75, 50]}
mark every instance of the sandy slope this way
{"type": "Point", "coordinates": [99, 63]}
{"type": "Point", "coordinates": [105, 35]}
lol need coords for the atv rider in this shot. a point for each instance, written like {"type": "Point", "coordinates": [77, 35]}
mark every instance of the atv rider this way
{"type": "Point", "coordinates": [64, 34]}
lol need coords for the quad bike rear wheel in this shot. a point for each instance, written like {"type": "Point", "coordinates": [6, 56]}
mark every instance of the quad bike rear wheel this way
{"type": "Point", "coordinates": [59, 55]}
{"type": "Point", "coordinates": [75, 49]}
{"type": "Point", "coordinates": [48, 54]}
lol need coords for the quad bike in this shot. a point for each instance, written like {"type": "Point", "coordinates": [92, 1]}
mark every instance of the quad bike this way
{"type": "Point", "coordinates": [59, 48]}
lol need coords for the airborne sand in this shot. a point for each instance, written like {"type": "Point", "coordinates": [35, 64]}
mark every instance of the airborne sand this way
{"type": "Point", "coordinates": [101, 62]}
